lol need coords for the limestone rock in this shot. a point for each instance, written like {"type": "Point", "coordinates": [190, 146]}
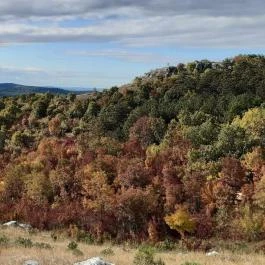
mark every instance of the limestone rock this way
{"type": "Point", "coordinates": [11, 224]}
{"type": "Point", "coordinates": [31, 262]}
{"type": "Point", "coordinates": [212, 253]}
{"type": "Point", "coordinates": [161, 72]}
{"type": "Point", "coordinates": [94, 261]}
{"type": "Point", "coordinates": [17, 224]}
{"type": "Point", "coordinates": [25, 226]}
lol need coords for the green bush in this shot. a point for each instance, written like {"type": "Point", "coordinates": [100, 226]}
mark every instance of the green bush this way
{"type": "Point", "coordinates": [107, 252]}
{"type": "Point", "coordinates": [84, 237]}
{"type": "Point", "coordinates": [42, 245]}
{"type": "Point", "coordinates": [24, 242]}
{"type": "Point", "coordinates": [3, 240]}
{"type": "Point", "coordinates": [72, 245]}
{"type": "Point", "coordinates": [166, 245]}
{"type": "Point", "coordinates": [145, 256]}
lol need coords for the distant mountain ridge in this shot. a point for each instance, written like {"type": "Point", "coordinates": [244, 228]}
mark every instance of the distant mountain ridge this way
{"type": "Point", "coordinates": [11, 89]}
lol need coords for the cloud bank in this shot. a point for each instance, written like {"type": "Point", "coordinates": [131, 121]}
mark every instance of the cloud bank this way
{"type": "Point", "coordinates": [191, 23]}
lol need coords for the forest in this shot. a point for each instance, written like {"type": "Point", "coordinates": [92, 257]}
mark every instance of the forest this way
{"type": "Point", "coordinates": [175, 155]}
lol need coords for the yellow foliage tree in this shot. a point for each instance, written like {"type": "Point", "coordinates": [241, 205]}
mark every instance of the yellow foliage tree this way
{"type": "Point", "coordinates": [254, 160]}
{"type": "Point", "coordinates": [151, 152]}
{"type": "Point", "coordinates": [98, 194]}
{"type": "Point", "coordinates": [180, 221]}
{"type": "Point", "coordinates": [253, 121]}
{"type": "Point", "coordinates": [38, 187]}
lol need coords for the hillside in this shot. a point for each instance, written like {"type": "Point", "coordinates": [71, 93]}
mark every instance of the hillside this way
{"type": "Point", "coordinates": [10, 89]}
{"type": "Point", "coordinates": [177, 153]}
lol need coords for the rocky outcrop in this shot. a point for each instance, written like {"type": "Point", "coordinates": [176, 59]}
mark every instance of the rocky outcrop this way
{"type": "Point", "coordinates": [162, 72]}
{"type": "Point", "coordinates": [94, 261]}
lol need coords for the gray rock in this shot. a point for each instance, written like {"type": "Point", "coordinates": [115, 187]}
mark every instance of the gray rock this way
{"type": "Point", "coordinates": [25, 226]}
{"type": "Point", "coordinates": [31, 262]}
{"type": "Point", "coordinates": [17, 224]}
{"type": "Point", "coordinates": [94, 261]}
{"type": "Point", "coordinates": [11, 224]}
{"type": "Point", "coordinates": [212, 253]}
{"type": "Point", "coordinates": [161, 72]}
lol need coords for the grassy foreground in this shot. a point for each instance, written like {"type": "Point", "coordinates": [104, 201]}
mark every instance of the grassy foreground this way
{"type": "Point", "coordinates": [15, 254]}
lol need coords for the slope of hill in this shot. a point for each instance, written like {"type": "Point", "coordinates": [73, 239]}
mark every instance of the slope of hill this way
{"type": "Point", "coordinates": [182, 147]}
{"type": "Point", "coordinates": [10, 89]}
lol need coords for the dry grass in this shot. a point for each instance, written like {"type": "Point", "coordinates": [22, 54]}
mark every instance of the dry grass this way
{"type": "Point", "coordinates": [59, 255]}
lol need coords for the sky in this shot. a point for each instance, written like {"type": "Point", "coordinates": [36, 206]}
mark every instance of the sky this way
{"type": "Point", "coordinates": [103, 43]}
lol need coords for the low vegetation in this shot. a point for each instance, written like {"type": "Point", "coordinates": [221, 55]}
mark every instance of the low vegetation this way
{"type": "Point", "coordinates": [15, 254]}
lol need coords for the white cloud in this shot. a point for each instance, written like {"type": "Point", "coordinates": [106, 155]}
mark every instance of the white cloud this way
{"type": "Point", "coordinates": [123, 55]}
{"type": "Point", "coordinates": [188, 30]}
{"type": "Point", "coordinates": [194, 23]}
{"type": "Point", "coordinates": [53, 8]}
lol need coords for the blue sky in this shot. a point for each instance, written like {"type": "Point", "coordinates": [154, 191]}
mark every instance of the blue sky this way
{"type": "Point", "coordinates": [89, 43]}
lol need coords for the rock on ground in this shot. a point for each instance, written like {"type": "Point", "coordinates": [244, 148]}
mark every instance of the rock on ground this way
{"type": "Point", "coordinates": [25, 226]}
{"type": "Point", "coordinates": [11, 223]}
{"type": "Point", "coordinates": [94, 261]}
{"type": "Point", "coordinates": [17, 224]}
{"type": "Point", "coordinates": [31, 262]}
{"type": "Point", "coordinates": [212, 253]}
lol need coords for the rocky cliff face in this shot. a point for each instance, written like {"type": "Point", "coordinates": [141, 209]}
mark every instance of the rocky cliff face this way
{"type": "Point", "coordinates": [161, 72]}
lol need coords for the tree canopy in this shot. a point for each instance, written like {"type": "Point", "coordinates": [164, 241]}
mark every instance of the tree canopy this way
{"type": "Point", "coordinates": [181, 148]}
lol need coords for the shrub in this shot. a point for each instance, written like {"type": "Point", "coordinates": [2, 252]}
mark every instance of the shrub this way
{"type": "Point", "coordinates": [3, 240]}
{"type": "Point", "coordinates": [24, 242]}
{"type": "Point", "coordinates": [145, 256]}
{"type": "Point", "coordinates": [42, 245]}
{"type": "Point", "coordinates": [107, 252]}
{"type": "Point", "coordinates": [85, 237]}
{"type": "Point", "coordinates": [72, 245]}
{"type": "Point", "coordinates": [166, 245]}
{"type": "Point", "coordinates": [88, 239]}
